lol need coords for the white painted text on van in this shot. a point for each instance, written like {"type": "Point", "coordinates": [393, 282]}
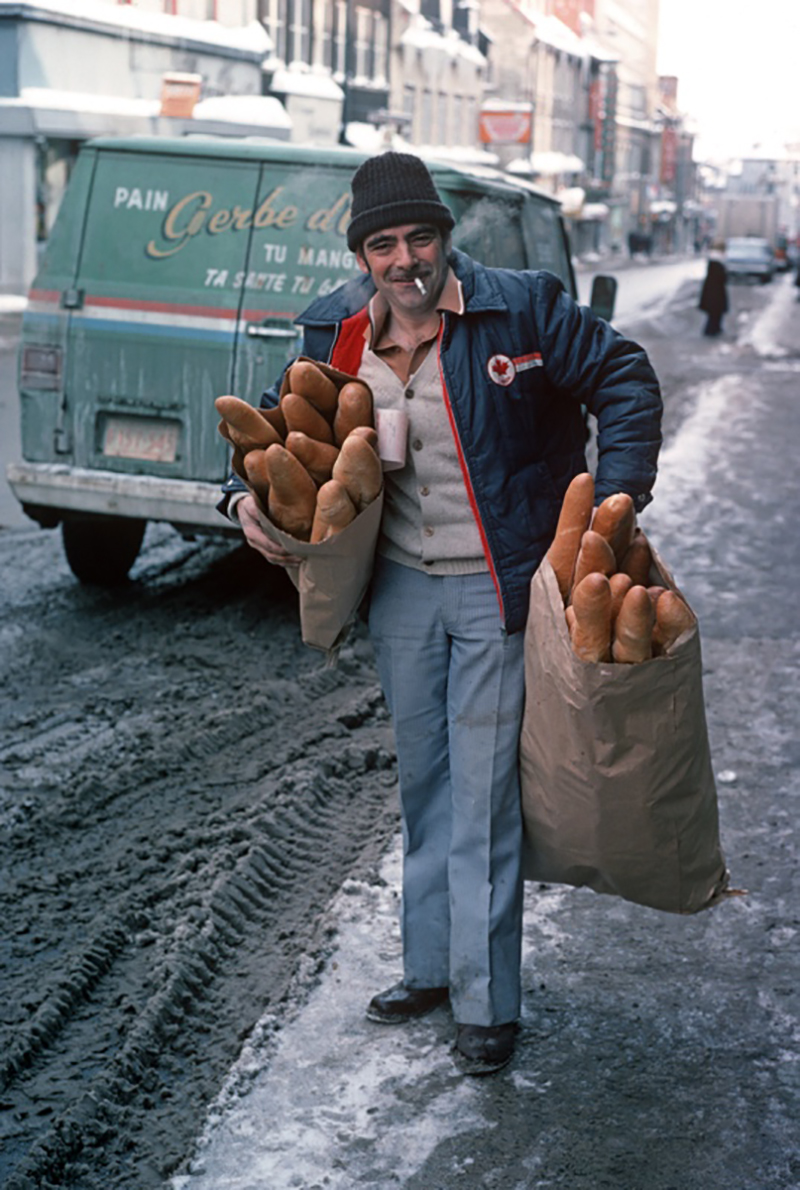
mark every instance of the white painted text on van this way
{"type": "Point", "coordinates": [326, 258]}
{"type": "Point", "coordinates": [141, 200]}
{"type": "Point", "coordinates": [196, 213]}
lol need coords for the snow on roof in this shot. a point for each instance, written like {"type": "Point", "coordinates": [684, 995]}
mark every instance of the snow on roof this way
{"type": "Point", "coordinates": [552, 32]}
{"type": "Point", "coordinates": [85, 101]}
{"type": "Point", "coordinates": [244, 109]}
{"type": "Point", "coordinates": [505, 105]}
{"type": "Point", "coordinates": [421, 35]}
{"type": "Point", "coordinates": [252, 37]}
{"type": "Point", "coordinates": [369, 139]}
{"type": "Point", "coordinates": [261, 110]}
{"type": "Point", "coordinates": [546, 162]}
{"type": "Point", "coordinates": [298, 79]}
{"type": "Point", "coordinates": [466, 155]}
{"type": "Point", "coordinates": [555, 33]}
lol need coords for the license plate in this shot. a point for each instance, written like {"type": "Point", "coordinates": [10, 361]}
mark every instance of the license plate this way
{"type": "Point", "coordinates": [141, 438]}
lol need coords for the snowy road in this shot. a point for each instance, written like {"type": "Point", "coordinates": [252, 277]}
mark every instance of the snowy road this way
{"type": "Point", "coordinates": [195, 817]}
{"type": "Point", "coordinates": [644, 288]}
{"type": "Point", "coordinates": [656, 1051]}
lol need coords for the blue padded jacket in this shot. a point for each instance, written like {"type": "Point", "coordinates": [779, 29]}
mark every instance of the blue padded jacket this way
{"type": "Point", "coordinates": [517, 366]}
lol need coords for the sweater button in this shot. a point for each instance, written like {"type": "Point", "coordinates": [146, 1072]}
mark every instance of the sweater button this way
{"type": "Point", "coordinates": [409, 393]}
{"type": "Point", "coordinates": [428, 531]}
{"type": "Point", "coordinates": [417, 444]}
{"type": "Point", "coordinates": [424, 491]}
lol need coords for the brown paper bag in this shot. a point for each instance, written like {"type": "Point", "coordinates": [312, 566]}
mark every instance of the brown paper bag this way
{"type": "Point", "coordinates": [333, 576]}
{"type": "Point", "coordinates": [618, 792]}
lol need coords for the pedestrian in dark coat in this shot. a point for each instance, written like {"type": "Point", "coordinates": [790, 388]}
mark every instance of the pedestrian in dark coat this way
{"type": "Point", "coordinates": [714, 294]}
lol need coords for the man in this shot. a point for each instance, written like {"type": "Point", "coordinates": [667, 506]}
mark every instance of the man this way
{"type": "Point", "coordinates": [492, 368]}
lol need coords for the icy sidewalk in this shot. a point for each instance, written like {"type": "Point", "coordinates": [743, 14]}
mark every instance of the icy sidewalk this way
{"type": "Point", "coordinates": [332, 1100]}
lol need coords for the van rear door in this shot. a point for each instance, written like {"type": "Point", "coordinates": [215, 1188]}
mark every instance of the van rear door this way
{"type": "Point", "coordinates": [45, 326]}
{"type": "Point", "coordinates": [154, 315]}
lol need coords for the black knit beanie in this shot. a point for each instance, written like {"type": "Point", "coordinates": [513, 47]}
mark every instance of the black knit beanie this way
{"type": "Point", "coordinates": [391, 189]}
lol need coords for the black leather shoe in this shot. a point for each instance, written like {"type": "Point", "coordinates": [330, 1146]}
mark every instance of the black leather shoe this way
{"type": "Point", "coordinates": [399, 1004]}
{"type": "Point", "coordinates": [482, 1049]}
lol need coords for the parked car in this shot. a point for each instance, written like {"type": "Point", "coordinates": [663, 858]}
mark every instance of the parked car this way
{"type": "Point", "coordinates": [172, 275]}
{"type": "Point", "coordinates": [749, 256]}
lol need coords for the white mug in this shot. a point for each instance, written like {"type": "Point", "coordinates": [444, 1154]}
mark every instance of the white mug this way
{"type": "Point", "coordinates": [392, 427]}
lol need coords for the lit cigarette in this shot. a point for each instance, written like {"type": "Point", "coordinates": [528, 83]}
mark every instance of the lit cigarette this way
{"type": "Point", "coordinates": [420, 287]}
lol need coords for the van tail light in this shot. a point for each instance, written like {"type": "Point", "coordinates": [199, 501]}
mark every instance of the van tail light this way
{"type": "Point", "coordinates": [41, 366]}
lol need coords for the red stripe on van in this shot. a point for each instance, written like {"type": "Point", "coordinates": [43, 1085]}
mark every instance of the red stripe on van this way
{"type": "Point", "coordinates": [117, 303]}
{"type": "Point", "coordinates": [467, 481]}
{"type": "Point", "coordinates": [180, 308]}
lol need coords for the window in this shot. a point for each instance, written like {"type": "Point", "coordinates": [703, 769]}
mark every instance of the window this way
{"type": "Point", "coordinates": [300, 31]}
{"type": "Point", "coordinates": [409, 100]}
{"type": "Point", "coordinates": [490, 230]}
{"type": "Point", "coordinates": [441, 119]}
{"type": "Point", "coordinates": [363, 43]}
{"type": "Point", "coordinates": [340, 38]}
{"type": "Point", "coordinates": [471, 134]}
{"type": "Point", "coordinates": [274, 20]}
{"type": "Point", "coordinates": [380, 36]}
{"type": "Point", "coordinates": [427, 112]}
{"type": "Point", "coordinates": [325, 49]}
{"type": "Point", "coordinates": [459, 131]}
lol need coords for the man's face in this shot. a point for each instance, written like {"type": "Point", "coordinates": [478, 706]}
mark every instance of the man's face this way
{"type": "Point", "coordinates": [397, 256]}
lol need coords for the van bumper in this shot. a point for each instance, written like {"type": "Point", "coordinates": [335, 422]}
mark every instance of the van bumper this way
{"type": "Point", "coordinates": [187, 503]}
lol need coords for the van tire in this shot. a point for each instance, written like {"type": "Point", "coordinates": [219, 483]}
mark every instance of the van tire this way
{"type": "Point", "coordinates": [101, 549]}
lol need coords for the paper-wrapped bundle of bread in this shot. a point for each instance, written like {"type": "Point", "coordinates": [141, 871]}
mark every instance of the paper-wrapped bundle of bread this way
{"type": "Point", "coordinates": [604, 568]}
{"type": "Point", "coordinates": [312, 461]}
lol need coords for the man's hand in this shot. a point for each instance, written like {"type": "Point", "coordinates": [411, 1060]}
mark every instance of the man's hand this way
{"type": "Point", "coordinates": [257, 538]}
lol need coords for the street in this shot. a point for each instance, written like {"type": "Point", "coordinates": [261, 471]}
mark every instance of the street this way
{"type": "Point", "coordinates": [201, 864]}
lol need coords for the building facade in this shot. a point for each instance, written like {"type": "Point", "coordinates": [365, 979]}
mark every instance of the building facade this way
{"type": "Point", "coordinates": [69, 73]}
{"type": "Point", "coordinates": [563, 91]}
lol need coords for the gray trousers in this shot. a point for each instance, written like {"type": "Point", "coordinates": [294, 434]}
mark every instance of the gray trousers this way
{"type": "Point", "coordinates": [454, 682]}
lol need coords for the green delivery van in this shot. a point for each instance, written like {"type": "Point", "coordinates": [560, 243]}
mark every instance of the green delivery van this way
{"type": "Point", "coordinates": [172, 275]}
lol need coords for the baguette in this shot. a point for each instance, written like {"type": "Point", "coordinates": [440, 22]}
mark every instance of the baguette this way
{"type": "Point", "coordinates": [655, 593]}
{"type": "Point", "coordinates": [354, 408]}
{"type": "Point", "coordinates": [334, 512]}
{"type": "Point", "coordinates": [292, 493]}
{"type": "Point", "coordinates": [317, 457]}
{"type": "Point", "coordinates": [633, 630]}
{"type": "Point", "coordinates": [273, 415]}
{"type": "Point", "coordinates": [359, 469]}
{"type": "Point", "coordinates": [591, 605]}
{"type": "Point", "coordinates": [673, 618]}
{"type": "Point", "coordinates": [615, 519]}
{"type": "Point", "coordinates": [620, 586]}
{"type": "Point", "coordinates": [573, 521]}
{"type": "Point", "coordinates": [247, 428]}
{"type": "Point", "coordinates": [256, 474]}
{"type": "Point", "coordinates": [595, 554]}
{"type": "Point", "coordinates": [300, 414]}
{"type": "Point", "coordinates": [367, 432]}
{"type": "Point", "coordinates": [311, 382]}
{"type": "Point", "coordinates": [638, 560]}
